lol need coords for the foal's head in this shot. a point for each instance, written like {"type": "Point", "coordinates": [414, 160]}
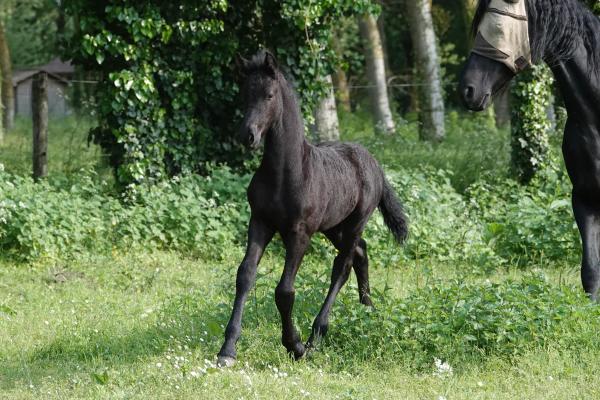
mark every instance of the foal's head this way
{"type": "Point", "coordinates": [262, 96]}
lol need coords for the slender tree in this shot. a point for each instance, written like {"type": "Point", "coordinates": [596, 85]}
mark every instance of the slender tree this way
{"type": "Point", "coordinates": [428, 70]}
{"type": "Point", "coordinates": [326, 118]}
{"type": "Point", "coordinates": [8, 98]}
{"type": "Point", "coordinates": [1, 112]}
{"type": "Point", "coordinates": [374, 55]}
{"type": "Point", "coordinates": [340, 80]}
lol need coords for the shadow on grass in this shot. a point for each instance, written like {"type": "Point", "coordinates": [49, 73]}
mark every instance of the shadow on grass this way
{"type": "Point", "coordinates": [67, 356]}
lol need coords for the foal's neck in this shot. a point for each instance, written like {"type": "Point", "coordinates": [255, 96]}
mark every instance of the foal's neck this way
{"type": "Point", "coordinates": [285, 144]}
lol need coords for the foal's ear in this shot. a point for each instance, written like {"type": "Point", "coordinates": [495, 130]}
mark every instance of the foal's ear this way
{"type": "Point", "coordinates": [270, 64]}
{"type": "Point", "coordinates": [241, 64]}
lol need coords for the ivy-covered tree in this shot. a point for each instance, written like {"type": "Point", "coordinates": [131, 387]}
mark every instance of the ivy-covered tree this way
{"type": "Point", "coordinates": [168, 96]}
{"type": "Point", "coordinates": [530, 125]}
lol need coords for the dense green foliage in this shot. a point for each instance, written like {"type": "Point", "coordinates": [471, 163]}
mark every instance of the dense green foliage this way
{"type": "Point", "coordinates": [461, 205]}
{"type": "Point", "coordinates": [531, 97]}
{"type": "Point", "coordinates": [31, 28]}
{"type": "Point", "coordinates": [168, 97]}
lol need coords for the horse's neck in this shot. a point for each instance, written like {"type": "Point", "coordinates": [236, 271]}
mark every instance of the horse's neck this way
{"type": "Point", "coordinates": [579, 86]}
{"type": "Point", "coordinates": [285, 145]}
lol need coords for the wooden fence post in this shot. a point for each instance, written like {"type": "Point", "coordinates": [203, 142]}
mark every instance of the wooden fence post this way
{"type": "Point", "coordinates": [39, 106]}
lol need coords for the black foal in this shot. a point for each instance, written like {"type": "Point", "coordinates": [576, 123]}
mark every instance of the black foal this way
{"type": "Point", "coordinates": [300, 189]}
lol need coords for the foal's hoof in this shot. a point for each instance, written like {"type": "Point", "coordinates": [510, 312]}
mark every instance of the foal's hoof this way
{"type": "Point", "coordinates": [225, 362]}
{"type": "Point", "coordinates": [298, 351]}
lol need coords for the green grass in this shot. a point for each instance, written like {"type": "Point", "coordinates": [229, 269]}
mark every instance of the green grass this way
{"type": "Point", "coordinates": [117, 327]}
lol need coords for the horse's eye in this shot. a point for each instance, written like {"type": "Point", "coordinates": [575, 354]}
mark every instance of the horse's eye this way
{"type": "Point", "coordinates": [270, 96]}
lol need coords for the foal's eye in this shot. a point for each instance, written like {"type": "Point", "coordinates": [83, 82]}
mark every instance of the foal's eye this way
{"type": "Point", "coordinates": [270, 96]}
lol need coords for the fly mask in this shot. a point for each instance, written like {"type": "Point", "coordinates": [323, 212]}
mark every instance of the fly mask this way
{"type": "Point", "coordinates": [503, 34]}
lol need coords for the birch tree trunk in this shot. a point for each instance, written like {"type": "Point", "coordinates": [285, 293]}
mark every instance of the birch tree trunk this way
{"type": "Point", "coordinates": [8, 98]}
{"type": "Point", "coordinates": [1, 112]}
{"type": "Point", "coordinates": [469, 7]}
{"type": "Point", "coordinates": [326, 118]}
{"type": "Point", "coordinates": [340, 81]}
{"type": "Point", "coordinates": [376, 73]}
{"type": "Point", "coordinates": [428, 70]}
{"type": "Point", "coordinates": [502, 109]}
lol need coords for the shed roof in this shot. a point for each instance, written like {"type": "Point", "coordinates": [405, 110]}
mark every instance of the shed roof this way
{"type": "Point", "coordinates": [54, 68]}
{"type": "Point", "coordinates": [20, 76]}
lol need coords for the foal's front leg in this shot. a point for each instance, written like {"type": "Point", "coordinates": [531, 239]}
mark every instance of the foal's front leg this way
{"type": "Point", "coordinates": [259, 235]}
{"type": "Point", "coordinates": [295, 244]}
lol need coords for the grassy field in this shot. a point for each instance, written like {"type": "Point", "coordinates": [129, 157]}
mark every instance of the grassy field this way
{"type": "Point", "coordinates": [144, 321]}
{"type": "Point", "coordinates": [149, 326]}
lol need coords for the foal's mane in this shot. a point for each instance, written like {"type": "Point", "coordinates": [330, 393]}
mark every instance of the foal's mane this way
{"type": "Point", "coordinates": [257, 64]}
{"type": "Point", "coordinates": [558, 25]}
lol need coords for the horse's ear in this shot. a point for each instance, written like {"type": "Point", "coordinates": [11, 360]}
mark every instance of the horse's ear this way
{"type": "Point", "coordinates": [241, 64]}
{"type": "Point", "coordinates": [271, 64]}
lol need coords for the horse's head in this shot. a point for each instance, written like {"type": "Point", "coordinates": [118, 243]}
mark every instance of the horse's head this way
{"type": "Point", "coordinates": [502, 49]}
{"type": "Point", "coordinates": [262, 96]}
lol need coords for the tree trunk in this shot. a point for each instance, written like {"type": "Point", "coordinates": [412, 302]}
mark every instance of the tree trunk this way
{"type": "Point", "coordinates": [8, 98]}
{"type": "Point", "coordinates": [340, 81]}
{"type": "Point", "coordinates": [39, 109]}
{"type": "Point", "coordinates": [469, 7]}
{"type": "Point", "coordinates": [502, 109]}
{"type": "Point", "coordinates": [326, 118]}
{"type": "Point", "coordinates": [376, 73]}
{"type": "Point", "coordinates": [428, 70]}
{"type": "Point", "coordinates": [1, 112]}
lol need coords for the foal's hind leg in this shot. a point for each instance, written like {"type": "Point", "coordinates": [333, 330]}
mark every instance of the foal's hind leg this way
{"type": "Point", "coordinates": [361, 269]}
{"type": "Point", "coordinates": [360, 262]}
{"type": "Point", "coordinates": [341, 271]}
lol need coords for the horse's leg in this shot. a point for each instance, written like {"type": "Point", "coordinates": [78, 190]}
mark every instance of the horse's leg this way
{"type": "Point", "coordinates": [360, 263]}
{"type": "Point", "coordinates": [361, 269]}
{"type": "Point", "coordinates": [339, 275]}
{"type": "Point", "coordinates": [259, 235]}
{"type": "Point", "coordinates": [296, 244]}
{"type": "Point", "coordinates": [587, 215]}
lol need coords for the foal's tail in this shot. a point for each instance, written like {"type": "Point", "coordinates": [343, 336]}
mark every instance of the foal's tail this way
{"type": "Point", "coordinates": [393, 213]}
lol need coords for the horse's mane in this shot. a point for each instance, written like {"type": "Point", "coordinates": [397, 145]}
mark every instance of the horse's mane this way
{"type": "Point", "coordinates": [558, 25]}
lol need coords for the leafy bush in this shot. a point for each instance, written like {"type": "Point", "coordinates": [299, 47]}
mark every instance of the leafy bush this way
{"type": "Point", "coordinates": [493, 224]}
{"type": "Point", "coordinates": [459, 321]}
{"type": "Point", "coordinates": [441, 226]}
{"type": "Point", "coordinates": [527, 224]}
{"type": "Point", "coordinates": [41, 220]}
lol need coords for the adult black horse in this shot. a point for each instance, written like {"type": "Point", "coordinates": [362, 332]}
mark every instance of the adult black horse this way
{"type": "Point", "coordinates": [298, 190]}
{"type": "Point", "coordinates": [511, 34]}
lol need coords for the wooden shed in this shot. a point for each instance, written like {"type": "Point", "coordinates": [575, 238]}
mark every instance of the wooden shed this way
{"type": "Point", "coordinates": [59, 75]}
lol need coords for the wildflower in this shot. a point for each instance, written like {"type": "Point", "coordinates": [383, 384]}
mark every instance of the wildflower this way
{"type": "Point", "coordinates": [442, 369]}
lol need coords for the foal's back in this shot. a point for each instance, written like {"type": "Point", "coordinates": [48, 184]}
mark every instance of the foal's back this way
{"type": "Point", "coordinates": [344, 178]}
